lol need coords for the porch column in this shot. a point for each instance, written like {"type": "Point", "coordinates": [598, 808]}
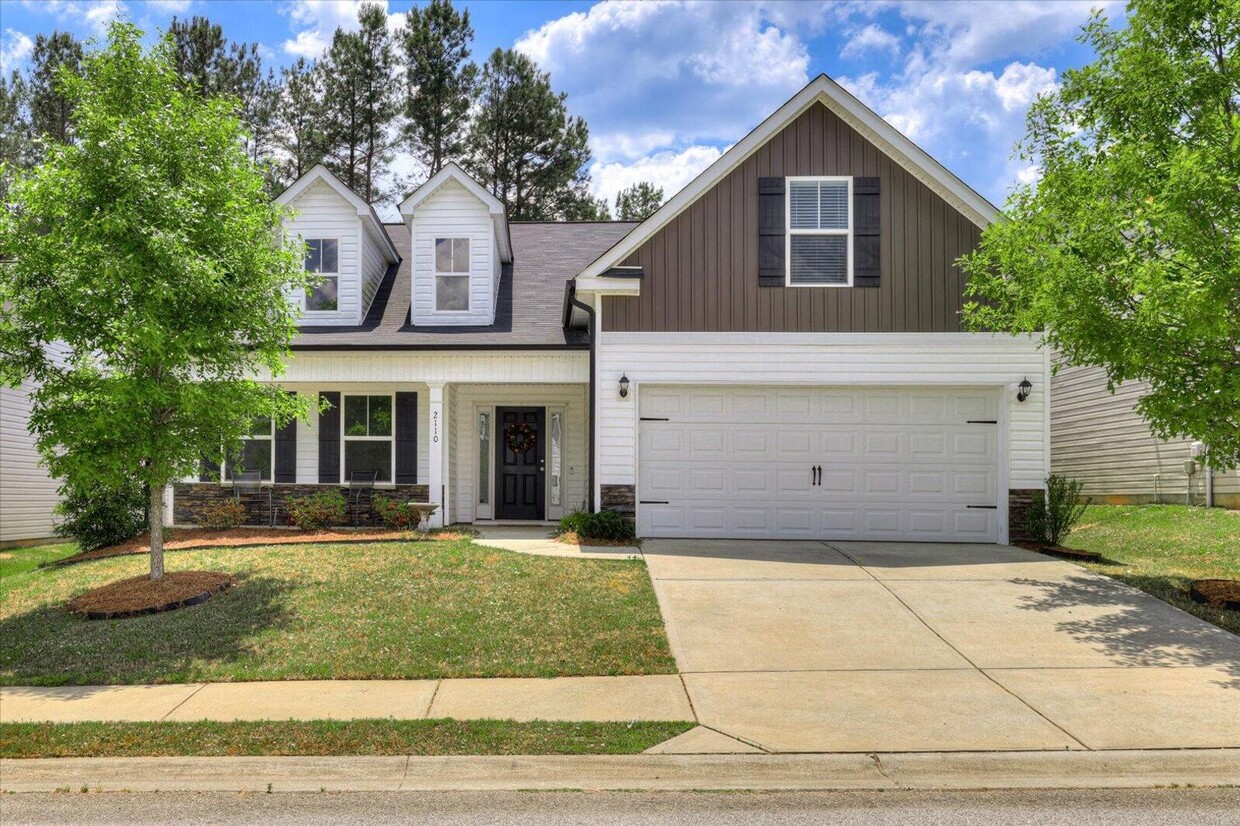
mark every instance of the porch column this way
{"type": "Point", "coordinates": [438, 477]}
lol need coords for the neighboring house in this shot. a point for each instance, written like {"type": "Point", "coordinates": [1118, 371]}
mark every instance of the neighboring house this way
{"type": "Point", "coordinates": [1098, 438]}
{"type": "Point", "coordinates": [775, 353]}
{"type": "Point", "coordinates": [28, 496]}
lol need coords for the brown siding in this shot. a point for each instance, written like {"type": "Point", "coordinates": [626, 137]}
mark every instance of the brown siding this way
{"type": "Point", "coordinates": [702, 268]}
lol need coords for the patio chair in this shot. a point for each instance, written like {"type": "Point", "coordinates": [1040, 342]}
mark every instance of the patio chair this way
{"type": "Point", "coordinates": [250, 483]}
{"type": "Point", "coordinates": [361, 491]}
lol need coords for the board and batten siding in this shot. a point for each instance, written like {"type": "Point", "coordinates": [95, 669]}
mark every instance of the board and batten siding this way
{"type": "Point", "coordinates": [1099, 439]}
{"type": "Point", "coordinates": [772, 359]}
{"type": "Point", "coordinates": [28, 494]}
{"type": "Point", "coordinates": [701, 271]}
{"type": "Point", "coordinates": [322, 213]}
{"type": "Point", "coordinates": [452, 211]}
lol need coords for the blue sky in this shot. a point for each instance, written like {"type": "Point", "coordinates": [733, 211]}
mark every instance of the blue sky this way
{"type": "Point", "coordinates": [667, 86]}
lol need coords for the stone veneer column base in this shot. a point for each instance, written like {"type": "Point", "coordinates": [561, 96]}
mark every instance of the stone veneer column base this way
{"type": "Point", "coordinates": [620, 498]}
{"type": "Point", "coordinates": [189, 497]}
{"type": "Point", "coordinates": [1019, 501]}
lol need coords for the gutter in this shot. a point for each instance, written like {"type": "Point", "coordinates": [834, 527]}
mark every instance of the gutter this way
{"type": "Point", "coordinates": [571, 296]}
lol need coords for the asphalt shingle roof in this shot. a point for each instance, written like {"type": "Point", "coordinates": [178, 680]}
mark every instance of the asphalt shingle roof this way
{"type": "Point", "coordinates": [530, 304]}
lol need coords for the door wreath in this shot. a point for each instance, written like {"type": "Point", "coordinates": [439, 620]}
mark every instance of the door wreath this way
{"type": "Point", "coordinates": [519, 437]}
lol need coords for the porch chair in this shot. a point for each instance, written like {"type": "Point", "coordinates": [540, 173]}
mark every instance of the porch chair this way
{"type": "Point", "coordinates": [361, 491]}
{"type": "Point", "coordinates": [250, 483]}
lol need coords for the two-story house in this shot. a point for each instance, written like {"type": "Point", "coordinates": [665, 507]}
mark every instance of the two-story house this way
{"type": "Point", "coordinates": [776, 352]}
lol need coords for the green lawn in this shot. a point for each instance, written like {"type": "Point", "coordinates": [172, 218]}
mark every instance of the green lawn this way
{"type": "Point", "coordinates": [393, 610]}
{"type": "Point", "coordinates": [330, 737]}
{"type": "Point", "coordinates": [15, 561]}
{"type": "Point", "coordinates": [1161, 548]}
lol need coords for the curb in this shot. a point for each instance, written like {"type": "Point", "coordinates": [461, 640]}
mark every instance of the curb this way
{"type": "Point", "coordinates": [976, 770]}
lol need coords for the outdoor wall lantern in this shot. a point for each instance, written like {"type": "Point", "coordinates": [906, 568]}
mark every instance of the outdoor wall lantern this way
{"type": "Point", "coordinates": [624, 387]}
{"type": "Point", "coordinates": [1023, 389]}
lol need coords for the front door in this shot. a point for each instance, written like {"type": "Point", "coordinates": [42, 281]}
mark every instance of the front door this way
{"type": "Point", "coordinates": [519, 458]}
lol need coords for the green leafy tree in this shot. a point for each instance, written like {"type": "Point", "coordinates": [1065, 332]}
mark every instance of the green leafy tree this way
{"type": "Point", "coordinates": [299, 129]}
{"type": "Point", "coordinates": [440, 82]}
{"type": "Point", "coordinates": [361, 103]}
{"type": "Point", "coordinates": [1127, 251]}
{"type": "Point", "coordinates": [637, 202]}
{"type": "Point", "coordinates": [523, 145]}
{"type": "Point", "coordinates": [148, 249]}
{"type": "Point", "coordinates": [17, 150]}
{"type": "Point", "coordinates": [51, 110]}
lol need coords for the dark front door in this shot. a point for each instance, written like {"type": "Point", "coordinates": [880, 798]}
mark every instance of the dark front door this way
{"type": "Point", "coordinates": [519, 459]}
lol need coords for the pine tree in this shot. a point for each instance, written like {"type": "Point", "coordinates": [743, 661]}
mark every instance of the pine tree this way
{"type": "Point", "coordinates": [360, 103]}
{"type": "Point", "coordinates": [523, 145]}
{"type": "Point", "coordinates": [637, 202]}
{"type": "Point", "coordinates": [440, 85]}
{"type": "Point", "coordinates": [299, 130]}
{"type": "Point", "coordinates": [201, 55]}
{"type": "Point", "coordinates": [17, 150]}
{"type": "Point", "coordinates": [51, 111]}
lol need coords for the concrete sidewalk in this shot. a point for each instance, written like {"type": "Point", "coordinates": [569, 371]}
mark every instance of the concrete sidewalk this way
{"type": "Point", "coordinates": [600, 699]}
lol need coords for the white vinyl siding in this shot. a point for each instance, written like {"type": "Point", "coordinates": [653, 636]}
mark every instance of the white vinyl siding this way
{"type": "Point", "coordinates": [27, 494]}
{"type": "Point", "coordinates": [322, 213]}
{"type": "Point", "coordinates": [454, 212]}
{"type": "Point", "coordinates": [374, 267]}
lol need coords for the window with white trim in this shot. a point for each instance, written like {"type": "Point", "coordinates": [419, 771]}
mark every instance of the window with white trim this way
{"type": "Point", "coordinates": [819, 252]}
{"type": "Point", "coordinates": [257, 451]}
{"type": "Point", "coordinates": [367, 438]}
{"type": "Point", "coordinates": [323, 258]}
{"type": "Point", "coordinates": [451, 274]}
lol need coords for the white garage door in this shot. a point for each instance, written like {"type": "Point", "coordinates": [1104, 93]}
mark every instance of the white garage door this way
{"type": "Point", "coordinates": [828, 463]}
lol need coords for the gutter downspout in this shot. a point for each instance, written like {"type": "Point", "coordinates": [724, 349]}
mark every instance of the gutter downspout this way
{"type": "Point", "coordinates": [589, 311]}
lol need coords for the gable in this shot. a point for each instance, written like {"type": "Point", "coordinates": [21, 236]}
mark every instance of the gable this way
{"type": "Point", "coordinates": [701, 266]}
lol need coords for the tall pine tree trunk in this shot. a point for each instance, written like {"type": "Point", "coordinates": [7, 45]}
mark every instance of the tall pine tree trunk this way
{"type": "Point", "coordinates": [155, 521]}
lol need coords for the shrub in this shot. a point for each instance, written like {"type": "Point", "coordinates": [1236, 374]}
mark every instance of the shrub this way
{"type": "Point", "coordinates": [100, 516]}
{"type": "Point", "coordinates": [223, 514]}
{"type": "Point", "coordinates": [609, 526]}
{"type": "Point", "coordinates": [1053, 513]}
{"type": "Point", "coordinates": [317, 510]}
{"type": "Point", "coordinates": [400, 514]}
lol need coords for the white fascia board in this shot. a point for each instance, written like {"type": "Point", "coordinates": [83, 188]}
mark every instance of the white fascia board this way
{"type": "Point", "coordinates": [453, 172]}
{"type": "Point", "coordinates": [608, 286]}
{"type": "Point", "coordinates": [856, 114]}
{"type": "Point", "coordinates": [364, 210]}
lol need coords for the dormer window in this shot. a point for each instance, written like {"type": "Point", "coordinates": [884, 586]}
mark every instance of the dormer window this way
{"type": "Point", "coordinates": [323, 258]}
{"type": "Point", "coordinates": [452, 274]}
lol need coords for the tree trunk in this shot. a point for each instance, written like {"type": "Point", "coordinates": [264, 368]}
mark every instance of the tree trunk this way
{"type": "Point", "coordinates": [155, 521]}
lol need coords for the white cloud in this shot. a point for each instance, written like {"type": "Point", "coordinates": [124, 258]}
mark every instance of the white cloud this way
{"type": "Point", "coordinates": [15, 47]}
{"type": "Point", "coordinates": [97, 13]}
{"type": "Point", "coordinates": [670, 170]}
{"type": "Point", "coordinates": [868, 40]}
{"type": "Point", "coordinates": [169, 6]}
{"type": "Point", "coordinates": [315, 21]}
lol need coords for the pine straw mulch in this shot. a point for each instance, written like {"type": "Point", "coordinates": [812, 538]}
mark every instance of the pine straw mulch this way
{"type": "Point", "coordinates": [185, 539]}
{"type": "Point", "coordinates": [571, 538]}
{"type": "Point", "coordinates": [140, 595]}
{"type": "Point", "coordinates": [1220, 593]}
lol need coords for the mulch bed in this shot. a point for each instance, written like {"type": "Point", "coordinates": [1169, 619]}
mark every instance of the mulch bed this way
{"type": "Point", "coordinates": [1220, 593]}
{"type": "Point", "coordinates": [1060, 551]}
{"type": "Point", "coordinates": [185, 539]}
{"type": "Point", "coordinates": [571, 538]}
{"type": "Point", "coordinates": [141, 595]}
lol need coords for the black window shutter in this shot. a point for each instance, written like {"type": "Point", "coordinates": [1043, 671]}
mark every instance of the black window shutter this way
{"type": "Point", "coordinates": [286, 451]}
{"type": "Point", "coordinates": [329, 440]}
{"type": "Point", "coordinates": [867, 232]}
{"type": "Point", "coordinates": [208, 470]}
{"type": "Point", "coordinates": [771, 212]}
{"type": "Point", "coordinates": [406, 438]}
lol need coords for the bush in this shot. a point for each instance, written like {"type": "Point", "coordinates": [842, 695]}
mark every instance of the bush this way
{"type": "Point", "coordinates": [400, 514]}
{"type": "Point", "coordinates": [317, 510]}
{"type": "Point", "coordinates": [604, 525]}
{"type": "Point", "coordinates": [1053, 513]}
{"type": "Point", "coordinates": [100, 516]}
{"type": "Point", "coordinates": [224, 514]}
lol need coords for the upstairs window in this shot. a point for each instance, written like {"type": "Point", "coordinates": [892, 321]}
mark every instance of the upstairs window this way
{"type": "Point", "coordinates": [451, 274]}
{"type": "Point", "coordinates": [819, 232]}
{"type": "Point", "coordinates": [323, 258]}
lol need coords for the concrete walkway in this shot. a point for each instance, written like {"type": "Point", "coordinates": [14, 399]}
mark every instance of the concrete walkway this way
{"type": "Point", "coordinates": [539, 540]}
{"type": "Point", "coordinates": [868, 647]}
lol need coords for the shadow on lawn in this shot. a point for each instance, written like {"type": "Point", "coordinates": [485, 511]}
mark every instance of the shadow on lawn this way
{"type": "Point", "coordinates": [50, 646]}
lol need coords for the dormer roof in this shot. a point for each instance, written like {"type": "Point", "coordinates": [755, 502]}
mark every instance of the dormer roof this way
{"type": "Point", "coordinates": [453, 172]}
{"type": "Point", "coordinates": [364, 210]}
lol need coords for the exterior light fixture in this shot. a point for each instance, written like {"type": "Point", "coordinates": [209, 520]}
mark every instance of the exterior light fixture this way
{"type": "Point", "coordinates": [624, 387]}
{"type": "Point", "coordinates": [1023, 389]}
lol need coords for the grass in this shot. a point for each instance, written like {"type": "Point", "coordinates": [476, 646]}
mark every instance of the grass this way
{"type": "Point", "coordinates": [15, 561]}
{"type": "Point", "coordinates": [377, 611]}
{"type": "Point", "coordinates": [330, 737]}
{"type": "Point", "coordinates": [1162, 548]}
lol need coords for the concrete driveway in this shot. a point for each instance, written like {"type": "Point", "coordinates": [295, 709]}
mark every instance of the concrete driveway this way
{"type": "Point", "coordinates": [866, 646]}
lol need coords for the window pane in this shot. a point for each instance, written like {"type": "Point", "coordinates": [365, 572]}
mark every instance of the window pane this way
{"type": "Point", "coordinates": [260, 426]}
{"type": "Point", "coordinates": [380, 415]}
{"type": "Point", "coordinates": [331, 255]}
{"type": "Point", "coordinates": [451, 292]}
{"type": "Point", "coordinates": [557, 460]}
{"type": "Point", "coordinates": [443, 255]}
{"type": "Point", "coordinates": [460, 255]}
{"type": "Point", "coordinates": [819, 259]}
{"type": "Point", "coordinates": [355, 416]}
{"type": "Point", "coordinates": [803, 204]}
{"type": "Point", "coordinates": [375, 456]}
{"type": "Point", "coordinates": [313, 255]}
{"type": "Point", "coordinates": [833, 201]}
{"type": "Point", "coordinates": [322, 296]}
{"type": "Point", "coordinates": [484, 458]}
{"type": "Point", "coordinates": [255, 455]}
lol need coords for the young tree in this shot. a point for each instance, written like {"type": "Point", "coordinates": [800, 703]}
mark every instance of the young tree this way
{"type": "Point", "coordinates": [149, 249]}
{"type": "Point", "coordinates": [360, 103]}
{"type": "Point", "coordinates": [51, 111]}
{"type": "Point", "coordinates": [440, 85]}
{"type": "Point", "coordinates": [1126, 250]}
{"type": "Point", "coordinates": [299, 130]}
{"type": "Point", "coordinates": [637, 202]}
{"type": "Point", "coordinates": [523, 145]}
